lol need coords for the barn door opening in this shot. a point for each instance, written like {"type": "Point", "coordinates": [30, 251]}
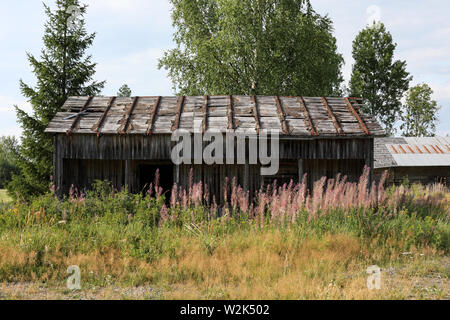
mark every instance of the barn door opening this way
{"type": "Point", "coordinates": [147, 173]}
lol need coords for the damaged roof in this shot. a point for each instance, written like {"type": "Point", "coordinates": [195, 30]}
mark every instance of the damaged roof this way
{"type": "Point", "coordinates": [293, 116]}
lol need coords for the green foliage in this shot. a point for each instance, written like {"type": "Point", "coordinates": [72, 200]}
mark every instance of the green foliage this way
{"type": "Point", "coordinates": [420, 112]}
{"type": "Point", "coordinates": [376, 77]}
{"type": "Point", "coordinates": [142, 228]}
{"type": "Point", "coordinates": [62, 70]}
{"type": "Point", "coordinates": [252, 47]}
{"type": "Point", "coordinates": [124, 91]}
{"type": "Point", "coordinates": [8, 167]}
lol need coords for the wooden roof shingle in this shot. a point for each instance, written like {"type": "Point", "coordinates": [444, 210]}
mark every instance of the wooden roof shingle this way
{"type": "Point", "coordinates": [293, 116]}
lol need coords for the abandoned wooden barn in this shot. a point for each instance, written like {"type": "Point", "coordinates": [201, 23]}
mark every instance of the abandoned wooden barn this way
{"type": "Point", "coordinates": [124, 140]}
{"type": "Point", "coordinates": [423, 160]}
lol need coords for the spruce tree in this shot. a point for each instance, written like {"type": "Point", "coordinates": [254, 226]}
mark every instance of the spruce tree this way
{"type": "Point", "coordinates": [62, 70]}
{"type": "Point", "coordinates": [124, 91]}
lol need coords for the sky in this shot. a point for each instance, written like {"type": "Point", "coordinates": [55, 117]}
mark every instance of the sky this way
{"type": "Point", "coordinates": [132, 34]}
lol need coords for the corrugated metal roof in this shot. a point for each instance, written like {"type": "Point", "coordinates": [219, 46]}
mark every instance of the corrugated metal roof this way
{"type": "Point", "coordinates": [418, 148]}
{"type": "Point", "coordinates": [294, 116]}
{"type": "Point", "coordinates": [422, 160]}
{"type": "Point", "coordinates": [428, 140]}
{"type": "Point", "coordinates": [412, 152]}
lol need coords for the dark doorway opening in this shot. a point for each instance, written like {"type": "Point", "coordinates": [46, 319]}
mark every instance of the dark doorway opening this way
{"type": "Point", "coordinates": [147, 175]}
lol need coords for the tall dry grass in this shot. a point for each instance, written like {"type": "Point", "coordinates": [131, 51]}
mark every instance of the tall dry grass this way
{"type": "Point", "coordinates": [288, 243]}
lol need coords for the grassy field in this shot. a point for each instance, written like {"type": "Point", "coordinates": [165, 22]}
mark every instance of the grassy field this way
{"type": "Point", "coordinates": [288, 244]}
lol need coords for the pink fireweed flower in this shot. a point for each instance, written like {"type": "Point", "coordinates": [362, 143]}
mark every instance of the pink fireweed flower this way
{"type": "Point", "coordinates": [150, 190]}
{"type": "Point", "coordinates": [381, 191]}
{"type": "Point", "coordinates": [225, 190]}
{"type": "Point", "coordinates": [184, 200]}
{"type": "Point", "coordinates": [233, 194]}
{"type": "Point", "coordinates": [173, 196]}
{"type": "Point", "coordinates": [318, 194]}
{"type": "Point", "coordinates": [243, 200]}
{"type": "Point", "coordinates": [206, 194]}
{"type": "Point", "coordinates": [362, 187]}
{"type": "Point", "coordinates": [164, 215]}
{"type": "Point", "coordinates": [191, 181]}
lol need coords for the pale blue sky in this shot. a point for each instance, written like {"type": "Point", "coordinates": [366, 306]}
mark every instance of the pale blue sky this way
{"type": "Point", "coordinates": [132, 34]}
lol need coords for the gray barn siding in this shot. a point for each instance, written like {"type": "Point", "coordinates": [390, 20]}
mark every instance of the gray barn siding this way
{"type": "Point", "coordinates": [158, 147]}
{"type": "Point", "coordinates": [424, 175]}
{"type": "Point", "coordinates": [82, 158]}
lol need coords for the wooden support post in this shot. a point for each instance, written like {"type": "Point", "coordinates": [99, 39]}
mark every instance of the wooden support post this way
{"type": "Point", "coordinates": [370, 160]}
{"type": "Point", "coordinates": [127, 174]}
{"type": "Point", "coordinates": [57, 169]}
{"type": "Point", "coordinates": [177, 174]}
{"type": "Point", "coordinates": [300, 170]}
{"type": "Point", "coordinates": [246, 171]}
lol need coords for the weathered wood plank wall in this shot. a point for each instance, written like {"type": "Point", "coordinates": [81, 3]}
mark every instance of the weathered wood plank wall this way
{"type": "Point", "coordinates": [82, 158]}
{"type": "Point", "coordinates": [158, 147]}
{"type": "Point", "coordinates": [424, 175]}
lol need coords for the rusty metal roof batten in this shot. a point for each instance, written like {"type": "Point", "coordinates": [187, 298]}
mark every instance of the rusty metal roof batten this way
{"type": "Point", "coordinates": [281, 115]}
{"type": "Point", "coordinates": [332, 116]}
{"type": "Point", "coordinates": [153, 115]}
{"type": "Point", "coordinates": [313, 130]}
{"type": "Point", "coordinates": [355, 113]}
{"type": "Point", "coordinates": [98, 125]}
{"type": "Point", "coordinates": [128, 116]}
{"type": "Point", "coordinates": [230, 113]}
{"type": "Point", "coordinates": [256, 114]}
{"type": "Point", "coordinates": [77, 118]}
{"type": "Point", "coordinates": [440, 150]}
{"type": "Point", "coordinates": [205, 114]}
{"type": "Point", "coordinates": [180, 104]}
{"type": "Point", "coordinates": [294, 116]}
